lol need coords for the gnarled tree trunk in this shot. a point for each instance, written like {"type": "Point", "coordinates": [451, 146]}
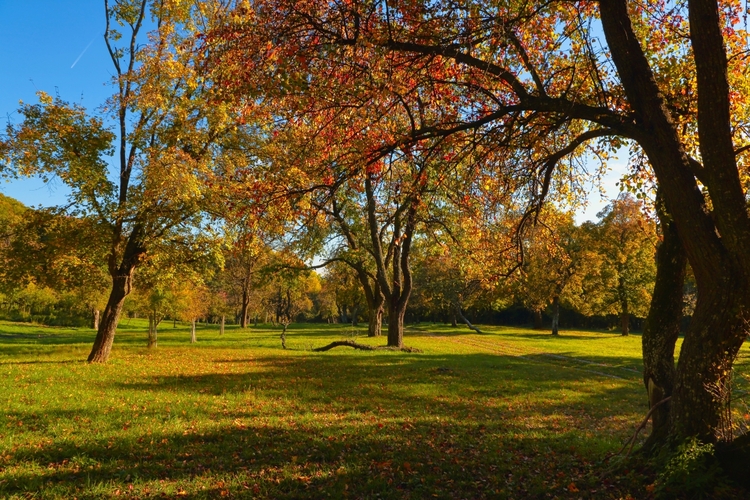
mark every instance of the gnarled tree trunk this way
{"type": "Point", "coordinates": [716, 239]}
{"type": "Point", "coordinates": [662, 328]}
{"type": "Point", "coordinates": [718, 328]}
{"type": "Point", "coordinates": [376, 320]}
{"type": "Point", "coordinates": [466, 321]}
{"type": "Point", "coordinates": [397, 287]}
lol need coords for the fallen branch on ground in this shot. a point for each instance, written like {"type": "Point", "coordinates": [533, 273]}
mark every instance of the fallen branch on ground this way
{"type": "Point", "coordinates": [466, 320]}
{"type": "Point", "coordinates": [363, 347]}
{"type": "Point", "coordinates": [631, 441]}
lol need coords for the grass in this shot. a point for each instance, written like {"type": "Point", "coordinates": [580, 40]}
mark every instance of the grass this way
{"type": "Point", "coordinates": [512, 413]}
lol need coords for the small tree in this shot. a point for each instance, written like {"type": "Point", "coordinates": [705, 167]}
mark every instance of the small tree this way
{"type": "Point", "coordinates": [625, 241]}
{"type": "Point", "coordinates": [191, 303]}
{"type": "Point", "coordinates": [169, 136]}
{"type": "Point", "coordinates": [557, 257]}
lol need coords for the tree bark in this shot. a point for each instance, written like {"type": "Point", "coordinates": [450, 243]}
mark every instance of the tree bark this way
{"type": "Point", "coordinates": [662, 328]}
{"type": "Point", "coordinates": [701, 396]}
{"type": "Point", "coordinates": [716, 239]}
{"type": "Point", "coordinates": [396, 313]}
{"type": "Point", "coordinates": [105, 336]}
{"type": "Point", "coordinates": [556, 315]}
{"type": "Point", "coordinates": [221, 327]}
{"type": "Point", "coordinates": [374, 328]}
{"type": "Point", "coordinates": [193, 339]}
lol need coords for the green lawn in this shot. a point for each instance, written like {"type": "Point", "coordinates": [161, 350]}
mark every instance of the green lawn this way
{"type": "Point", "coordinates": [512, 413]}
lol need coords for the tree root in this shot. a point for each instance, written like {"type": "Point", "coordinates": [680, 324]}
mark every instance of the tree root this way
{"type": "Point", "coordinates": [363, 347]}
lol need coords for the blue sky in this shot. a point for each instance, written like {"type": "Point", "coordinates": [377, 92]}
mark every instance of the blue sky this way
{"type": "Point", "coordinates": [39, 42]}
{"type": "Point", "coordinates": [57, 46]}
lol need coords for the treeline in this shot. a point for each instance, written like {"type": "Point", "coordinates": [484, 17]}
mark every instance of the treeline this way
{"type": "Point", "coordinates": [596, 275]}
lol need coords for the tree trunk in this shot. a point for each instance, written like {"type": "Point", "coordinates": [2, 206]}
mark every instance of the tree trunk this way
{"type": "Point", "coordinates": [283, 336]}
{"type": "Point", "coordinates": [718, 328]}
{"type": "Point", "coordinates": [538, 324]}
{"type": "Point", "coordinates": [95, 318]}
{"type": "Point", "coordinates": [716, 239]}
{"type": "Point", "coordinates": [396, 312]}
{"type": "Point", "coordinates": [245, 307]}
{"type": "Point", "coordinates": [355, 313]}
{"type": "Point", "coordinates": [556, 315]}
{"type": "Point", "coordinates": [374, 329]}
{"type": "Point", "coordinates": [193, 339]}
{"type": "Point", "coordinates": [221, 328]}
{"type": "Point", "coordinates": [454, 323]}
{"type": "Point", "coordinates": [662, 328]}
{"type": "Point", "coordinates": [152, 331]}
{"type": "Point", "coordinates": [105, 336]}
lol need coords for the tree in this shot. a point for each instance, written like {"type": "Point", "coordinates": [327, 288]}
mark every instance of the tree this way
{"type": "Point", "coordinates": [245, 261]}
{"type": "Point", "coordinates": [191, 303]}
{"type": "Point", "coordinates": [625, 241]}
{"type": "Point", "coordinates": [351, 225]}
{"type": "Point", "coordinates": [292, 287]}
{"type": "Point", "coordinates": [532, 70]}
{"type": "Point", "coordinates": [347, 291]}
{"type": "Point", "coordinates": [557, 259]}
{"type": "Point", "coordinates": [167, 139]}
{"type": "Point", "coordinates": [59, 252]}
{"type": "Point", "coordinates": [155, 303]}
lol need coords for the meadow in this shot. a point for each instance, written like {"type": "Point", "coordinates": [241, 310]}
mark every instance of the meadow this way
{"type": "Point", "coordinates": [511, 413]}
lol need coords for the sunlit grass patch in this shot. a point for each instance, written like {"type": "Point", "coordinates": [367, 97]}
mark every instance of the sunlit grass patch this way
{"type": "Point", "coordinates": [511, 413]}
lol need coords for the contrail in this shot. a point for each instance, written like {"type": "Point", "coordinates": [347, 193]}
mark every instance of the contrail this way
{"type": "Point", "coordinates": [84, 51]}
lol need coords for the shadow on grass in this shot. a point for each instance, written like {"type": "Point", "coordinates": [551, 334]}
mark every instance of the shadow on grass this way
{"type": "Point", "coordinates": [565, 336]}
{"type": "Point", "coordinates": [365, 425]}
{"type": "Point", "coordinates": [364, 461]}
{"type": "Point", "coordinates": [216, 420]}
